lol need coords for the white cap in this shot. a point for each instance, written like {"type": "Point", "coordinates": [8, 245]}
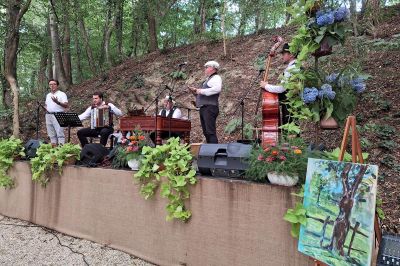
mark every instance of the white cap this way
{"type": "Point", "coordinates": [213, 64]}
{"type": "Point", "coordinates": [169, 98]}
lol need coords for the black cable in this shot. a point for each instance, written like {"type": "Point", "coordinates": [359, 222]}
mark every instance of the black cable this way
{"type": "Point", "coordinates": [50, 231]}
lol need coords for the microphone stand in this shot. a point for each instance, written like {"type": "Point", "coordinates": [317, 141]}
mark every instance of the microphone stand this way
{"type": "Point", "coordinates": [243, 98]}
{"type": "Point", "coordinates": [156, 102]}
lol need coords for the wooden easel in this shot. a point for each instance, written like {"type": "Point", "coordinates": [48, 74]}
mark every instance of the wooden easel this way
{"type": "Point", "coordinates": [356, 157]}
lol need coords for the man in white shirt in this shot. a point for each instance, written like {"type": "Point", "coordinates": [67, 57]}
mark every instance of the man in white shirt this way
{"type": "Point", "coordinates": [170, 111]}
{"type": "Point", "coordinates": [103, 132]}
{"type": "Point", "coordinates": [207, 100]}
{"type": "Point", "coordinates": [56, 101]}
{"type": "Point", "coordinates": [290, 60]}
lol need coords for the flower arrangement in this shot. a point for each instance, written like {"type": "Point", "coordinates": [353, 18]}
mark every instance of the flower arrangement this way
{"type": "Point", "coordinates": [288, 159]}
{"type": "Point", "coordinates": [333, 95]}
{"type": "Point", "coordinates": [133, 145]}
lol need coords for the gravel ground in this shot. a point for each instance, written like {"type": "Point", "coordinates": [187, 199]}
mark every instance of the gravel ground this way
{"type": "Point", "coordinates": [23, 243]}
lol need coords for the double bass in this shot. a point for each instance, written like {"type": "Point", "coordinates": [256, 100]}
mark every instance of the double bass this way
{"type": "Point", "coordinates": [270, 104]}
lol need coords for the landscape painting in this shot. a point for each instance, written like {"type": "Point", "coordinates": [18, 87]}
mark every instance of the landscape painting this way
{"type": "Point", "coordinates": [339, 199]}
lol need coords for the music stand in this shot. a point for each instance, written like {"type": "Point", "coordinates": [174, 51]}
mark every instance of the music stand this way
{"type": "Point", "coordinates": [68, 120]}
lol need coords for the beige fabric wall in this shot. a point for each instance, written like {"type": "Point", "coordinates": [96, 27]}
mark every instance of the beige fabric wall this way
{"type": "Point", "coordinates": [233, 222]}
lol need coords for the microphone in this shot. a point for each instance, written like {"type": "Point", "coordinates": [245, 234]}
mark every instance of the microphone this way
{"type": "Point", "coordinates": [182, 64]}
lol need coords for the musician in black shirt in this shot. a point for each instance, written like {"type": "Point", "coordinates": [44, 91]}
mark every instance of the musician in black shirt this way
{"type": "Point", "coordinates": [96, 129]}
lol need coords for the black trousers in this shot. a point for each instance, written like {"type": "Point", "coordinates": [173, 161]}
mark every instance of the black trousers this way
{"type": "Point", "coordinates": [104, 133]}
{"type": "Point", "coordinates": [208, 119]}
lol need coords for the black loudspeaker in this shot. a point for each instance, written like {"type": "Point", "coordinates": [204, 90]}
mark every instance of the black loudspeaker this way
{"type": "Point", "coordinates": [31, 147]}
{"type": "Point", "coordinates": [223, 160]}
{"type": "Point", "coordinates": [93, 154]}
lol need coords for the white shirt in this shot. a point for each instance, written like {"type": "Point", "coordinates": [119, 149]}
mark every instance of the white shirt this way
{"type": "Point", "coordinates": [215, 84]}
{"type": "Point", "coordinates": [51, 106]}
{"type": "Point", "coordinates": [286, 76]}
{"type": "Point", "coordinates": [177, 113]}
{"type": "Point", "coordinates": [87, 113]}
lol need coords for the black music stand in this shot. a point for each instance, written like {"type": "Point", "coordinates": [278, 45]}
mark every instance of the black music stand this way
{"type": "Point", "coordinates": [68, 120]}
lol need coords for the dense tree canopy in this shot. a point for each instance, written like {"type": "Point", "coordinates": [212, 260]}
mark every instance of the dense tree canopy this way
{"type": "Point", "coordinates": [75, 40]}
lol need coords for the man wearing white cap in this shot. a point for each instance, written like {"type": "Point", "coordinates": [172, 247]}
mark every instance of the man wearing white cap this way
{"type": "Point", "coordinates": [207, 100]}
{"type": "Point", "coordinates": [170, 111]}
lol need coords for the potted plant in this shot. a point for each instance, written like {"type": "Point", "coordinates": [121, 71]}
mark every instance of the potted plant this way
{"type": "Point", "coordinates": [283, 164]}
{"type": "Point", "coordinates": [132, 147]}
{"type": "Point", "coordinates": [10, 149]}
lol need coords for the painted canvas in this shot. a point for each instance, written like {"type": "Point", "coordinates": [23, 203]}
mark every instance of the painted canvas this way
{"type": "Point", "coordinates": [340, 200]}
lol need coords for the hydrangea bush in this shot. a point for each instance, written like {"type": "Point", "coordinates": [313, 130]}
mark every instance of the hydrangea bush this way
{"type": "Point", "coordinates": [333, 94]}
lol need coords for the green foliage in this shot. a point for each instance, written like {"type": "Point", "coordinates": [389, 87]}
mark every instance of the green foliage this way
{"type": "Point", "coordinates": [288, 158]}
{"type": "Point", "coordinates": [9, 149]}
{"type": "Point", "coordinates": [296, 217]}
{"type": "Point", "coordinates": [168, 166]}
{"type": "Point", "coordinates": [379, 210]}
{"type": "Point", "coordinates": [119, 160]}
{"type": "Point", "coordinates": [178, 75]}
{"type": "Point", "coordinates": [235, 124]}
{"type": "Point", "coordinates": [48, 158]}
{"type": "Point", "coordinates": [334, 155]}
{"type": "Point", "coordinates": [232, 126]}
{"type": "Point", "coordinates": [136, 81]}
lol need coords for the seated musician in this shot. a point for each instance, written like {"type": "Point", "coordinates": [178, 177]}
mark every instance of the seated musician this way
{"type": "Point", "coordinates": [170, 111]}
{"type": "Point", "coordinates": [290, 60]}
{"type": "Point", "coordinates": [94, 131]}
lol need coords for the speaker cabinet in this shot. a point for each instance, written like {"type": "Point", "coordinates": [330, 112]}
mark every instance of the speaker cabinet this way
{"type": "Point", "coordinates": [93, 154]}
{"type": "Point", "coordinates": [223, 160]}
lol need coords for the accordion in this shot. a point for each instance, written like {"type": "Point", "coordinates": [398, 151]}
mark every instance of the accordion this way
{"type": "Point", "coordinates": [100, 118]}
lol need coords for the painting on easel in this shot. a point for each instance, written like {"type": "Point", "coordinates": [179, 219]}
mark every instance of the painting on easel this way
{"type": "Point", "coordinates": [339, 198]}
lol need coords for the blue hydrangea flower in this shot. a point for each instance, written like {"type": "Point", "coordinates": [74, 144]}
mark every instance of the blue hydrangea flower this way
{"type": "Point", "coordinates": [309, 95]}
{"type": "Point", "coordinates": [327, 92]}
{"type": "Point", "coordinates": [358, 85]}
{"type": "Point", "coordinates": [341, 14]}
{"type": "Point", "coordinates": [327, 18]}
{"type": "Point", "coordinates": [332, 78]}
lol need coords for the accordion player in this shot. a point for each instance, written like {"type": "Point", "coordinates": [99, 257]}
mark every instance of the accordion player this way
{"type": "Point", "coordinates": [101, 120]}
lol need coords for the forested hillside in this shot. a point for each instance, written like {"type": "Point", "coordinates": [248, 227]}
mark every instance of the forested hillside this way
{"type": "Point", "coordinates": [131, 49]}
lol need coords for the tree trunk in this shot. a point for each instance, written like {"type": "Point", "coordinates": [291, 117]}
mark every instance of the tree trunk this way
{"type": "Point", "coordinates": [342, 222]}
{"type": "Point", "coordinates": [85, 37]}
{"type": "Point", "coordinates": [287, 15]}
{"type": "Point", "coordinates": [49, 54]}
{"type": "Point", "coordinates": [109, 25]}
{"type": "Point", "coordinates": [67, 43]}
{"type": "Point", "coordinates": [199, 26]}
{"type": "Point", "coordinates": [242, 23]}
{"type": "Point", "coordinates": [79, 72]}
{"type": "Point", "coordinates": [15, 12]}
{"type": "Point", "coordinates": [41, 79]}
{"type": "Point", "coordinates": [257, 20]}
{"type": "Point", "coordinates": [152, 29]}
{"type": "Point", "coordinates": [5, 88]}
{"type": "Point", "coordinates": [59, 72]}
{"type": "Point", "coordinates": [119, 27]}
{"type": "Point", "coordinates": [353, 12]}
{"type": "Point", "coordinates": [223, 25]}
